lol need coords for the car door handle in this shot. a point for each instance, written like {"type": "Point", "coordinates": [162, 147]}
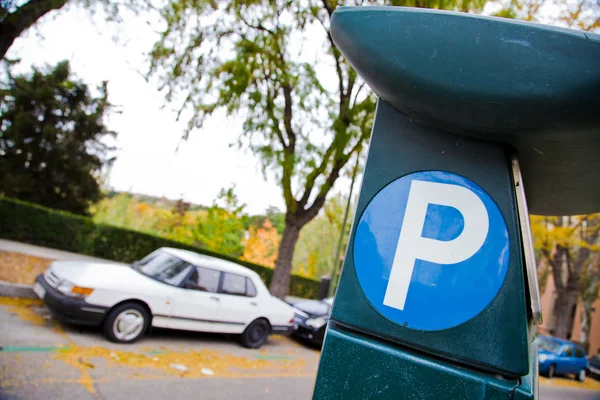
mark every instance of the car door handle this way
{"type": "Point", "coordinates": [215, 298]}
{"type": "Point", "coordinates": [253, 303]}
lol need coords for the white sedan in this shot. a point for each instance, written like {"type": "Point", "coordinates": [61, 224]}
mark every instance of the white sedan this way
{"type": "Point", "coordinates": [170, 288]}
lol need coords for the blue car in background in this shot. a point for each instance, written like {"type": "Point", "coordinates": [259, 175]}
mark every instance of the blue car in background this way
{"type": "Point", "coordinates": [559, 356]}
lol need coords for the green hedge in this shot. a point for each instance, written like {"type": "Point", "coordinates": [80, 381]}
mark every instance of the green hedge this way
{"type": "Point", "coordinates": [30, 223]}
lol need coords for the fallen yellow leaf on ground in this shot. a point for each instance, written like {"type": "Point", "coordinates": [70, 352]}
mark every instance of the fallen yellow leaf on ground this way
{"type": "Point", "coordinates": [21, 268]}
{"type": "Point", "coordinates": [197, 364]}
{"type": "Point", "coordinates": [24, 308]}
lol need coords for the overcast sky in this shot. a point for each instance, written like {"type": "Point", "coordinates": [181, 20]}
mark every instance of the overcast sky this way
{"type": "Point", "coordinates": [147, 134]}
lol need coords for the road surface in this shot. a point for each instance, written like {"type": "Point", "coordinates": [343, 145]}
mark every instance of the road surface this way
{"type": "Point", "coordinates": [42, 359]}
{"type": "Point", "coordinates": [559, 393]}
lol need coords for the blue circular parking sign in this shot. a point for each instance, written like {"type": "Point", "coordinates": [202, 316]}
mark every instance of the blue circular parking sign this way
{"type": "Point", "coordinates": [431, 250]}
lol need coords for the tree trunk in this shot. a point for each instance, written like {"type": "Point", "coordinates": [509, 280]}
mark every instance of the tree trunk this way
{"type": "Point", "coordinates": [567, 261]}
{"type": "Point", "coordinates": [566, 270]}
{"type": "Point", "coordinates": [22, 19]}
{"type": "Point", "coordinates": [566, 301]}
{"type": "Point", "coordinates": [280, 284]}
{"type": "Point", "coordinates": [585, 325]}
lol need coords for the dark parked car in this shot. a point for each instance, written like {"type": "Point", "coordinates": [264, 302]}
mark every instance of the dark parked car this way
{"type": "Point", "coordinates": [594, 366]}
{"type": "Point", "coordinates": [310, 319]}
{"type": "Point", "coordinates": [559, 356]}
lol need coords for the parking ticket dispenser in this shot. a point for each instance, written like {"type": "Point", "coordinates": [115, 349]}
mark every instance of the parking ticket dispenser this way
{"type": "Point", "coordinates": [438, 296]}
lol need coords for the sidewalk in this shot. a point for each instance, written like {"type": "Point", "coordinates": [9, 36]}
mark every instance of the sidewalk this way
{"type": "Point", "coordinates": [52, 254]}
{"type": "Point", "coordinates": [45, 252]}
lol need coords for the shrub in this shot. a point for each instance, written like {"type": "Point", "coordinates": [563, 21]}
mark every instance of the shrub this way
{"type": "Point", "coordinates": [30, 223]}
{"type": "Point", "coordinates": [34, 224]}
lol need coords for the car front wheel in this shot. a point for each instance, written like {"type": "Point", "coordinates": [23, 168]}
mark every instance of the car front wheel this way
{"type": "Point", "coordinates": [581, 375]}
{"type": "Point", "coordinates": [126, 323]}
{"type": "Point", "coordinates": [255, 334]}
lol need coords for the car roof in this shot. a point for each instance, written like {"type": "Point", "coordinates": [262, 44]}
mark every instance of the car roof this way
{"type": "Point", "coordinates": [202, 260]}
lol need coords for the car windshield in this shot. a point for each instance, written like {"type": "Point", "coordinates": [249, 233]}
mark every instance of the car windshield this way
{"type": "Point", "coordinates": [164, 267]}
{"type": "Point", "coordinates": [548, 345]}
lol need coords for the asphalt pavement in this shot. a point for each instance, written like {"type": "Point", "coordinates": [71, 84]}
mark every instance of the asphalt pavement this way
{"type": "Point", "coordinates": [42, 359]}
{"type": "Point", "coordinates": [559, 393]}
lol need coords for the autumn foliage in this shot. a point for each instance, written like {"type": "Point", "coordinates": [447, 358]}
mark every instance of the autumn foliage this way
{"type": "Point", "coordinates": [261, 245]}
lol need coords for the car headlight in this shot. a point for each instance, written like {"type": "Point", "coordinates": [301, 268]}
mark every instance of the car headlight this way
{"type": "Point", "coordinates": [316, 322]}
{"type": "Point", "coordinates": [542, 358]}
{"type": "Point", "coordinates": [71, 290]}
{"type": "Point", "coordinates": [64, 286]}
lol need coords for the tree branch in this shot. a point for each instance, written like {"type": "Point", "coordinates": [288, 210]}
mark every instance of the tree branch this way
{"type": "Point", "coordinates": [557, 268]}
{"type": "Point", "coordinates": [579, 224]}
{"type": "Point", "coordinates": [547, 255]}
{"type": "Point", "coordinates": [357, 92]}
{"type": "Point", "coordinates": [259, 27]}
{"type": "Point", "coordinates": [270, 111]}
{"type": "Point", "coordinates": [338, 164]}
{"type": "Point", "coordinates": [312, 177]}
{"type": "Point", "coordinates": [569, 263]}
{"type": "Point", "coordinates": [334, 52]}
{"type": "Point", "coordinates": [22, 19]}
{"type": "Point", "coordinates": [287, 116]}
{"type": "Point", "coordinates": [582, 257]}
{"type": "Point", "coordinates": [289, 156]}
{"type": "Point", "coordinates": [351, 80]}
{"type": "Point", "coordinates": [532, 9]}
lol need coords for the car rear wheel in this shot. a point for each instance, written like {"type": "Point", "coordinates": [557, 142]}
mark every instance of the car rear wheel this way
{"type": "Point", "coordinates": [551, 371]}
{"type": "Point", "coordinates": [255, 334]}
{"type": "Point", "coordinates": [581, 375]}
{"type": "Point", "coordinates": [126, 323]}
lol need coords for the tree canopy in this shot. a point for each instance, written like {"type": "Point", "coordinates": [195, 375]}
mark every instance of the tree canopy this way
{"type": "Point", "coordinates": [51, 138]}
{"type": "Point", "coordinates": [222, 229]}
{"type": "Point", "coordinates": [274, 64]}
{"type": "Point", "coordinates": [261, 245]}
{"type": "Point", "coordinates": [576, 14]}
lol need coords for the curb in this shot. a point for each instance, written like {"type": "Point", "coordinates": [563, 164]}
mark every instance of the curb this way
{"type": "Point", "coordinates": [8, 289]}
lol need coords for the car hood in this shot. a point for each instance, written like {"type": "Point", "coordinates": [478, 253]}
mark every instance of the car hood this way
{"type": "Point", "coordinates": [313, 308]}
{"type": "Point", "coordinates": [545, 352]}
{"type": "Point", "coordinates": [101, 275]}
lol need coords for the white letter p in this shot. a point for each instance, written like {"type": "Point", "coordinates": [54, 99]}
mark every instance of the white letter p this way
{"type": "Point", "coordinates": [412, 246]}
